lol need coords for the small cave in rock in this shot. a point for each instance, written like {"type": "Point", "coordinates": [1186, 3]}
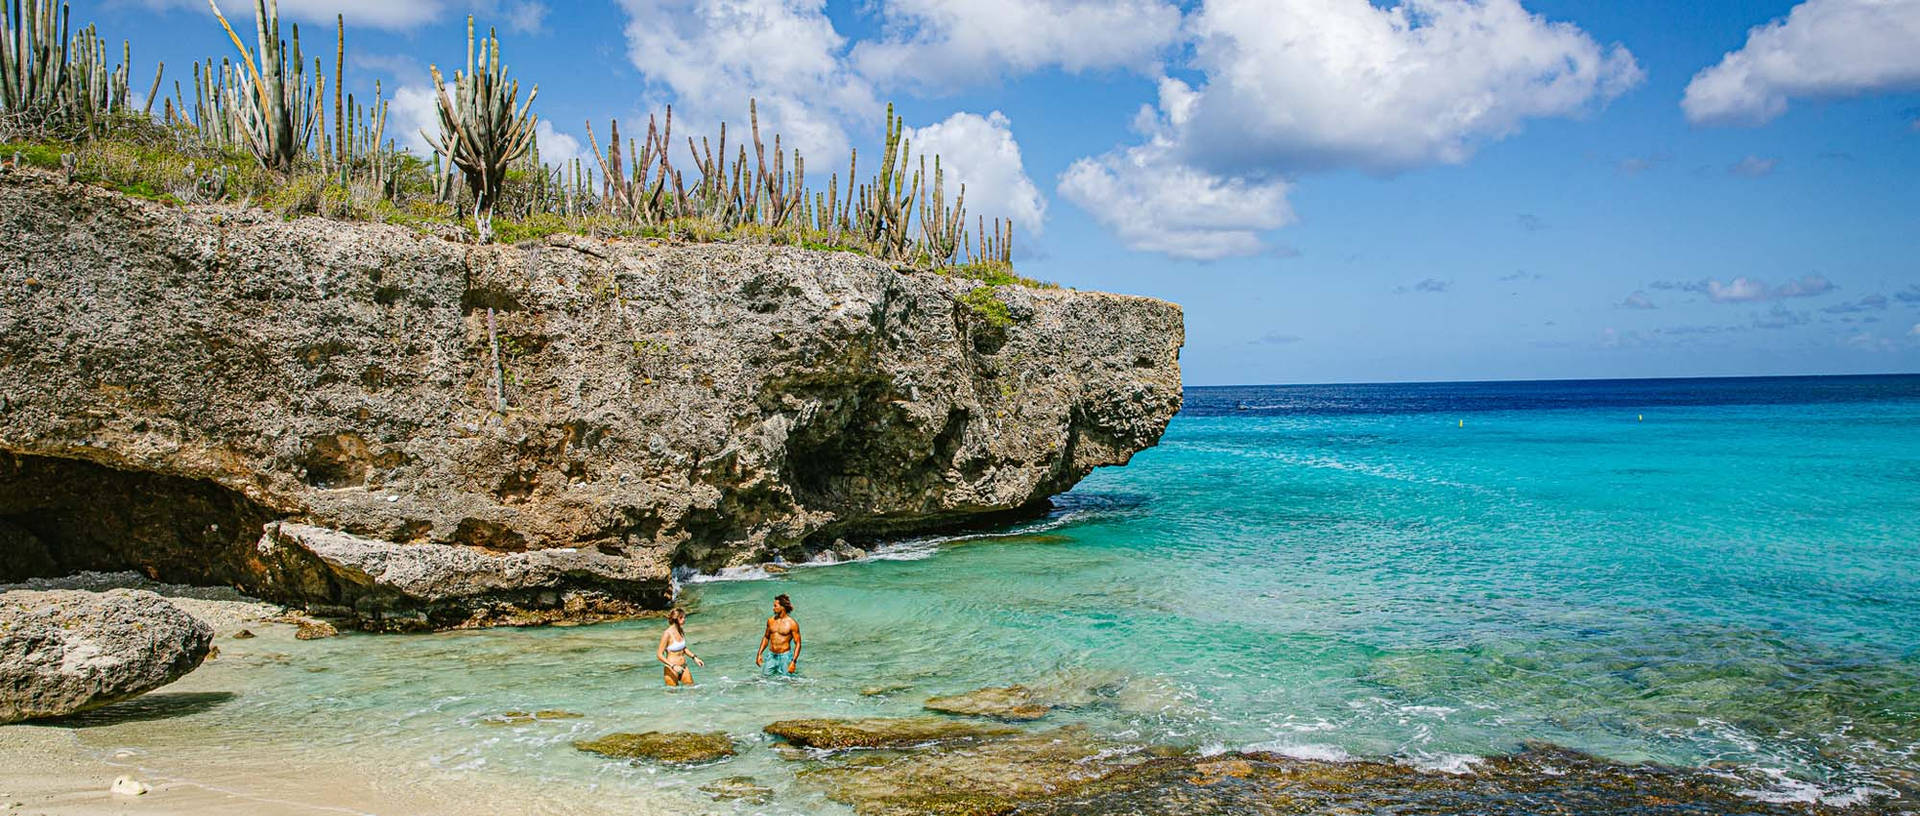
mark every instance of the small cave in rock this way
{"type": "Point", "coordinates": [858, 450]}
{"type": "Point", "coordinates": [61, 516]}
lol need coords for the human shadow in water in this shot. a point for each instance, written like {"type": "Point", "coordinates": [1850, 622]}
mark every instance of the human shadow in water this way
{"type": "Point", "coordinates": [147, 707]}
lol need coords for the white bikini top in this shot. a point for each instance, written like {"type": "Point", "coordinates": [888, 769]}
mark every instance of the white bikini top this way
{"type": "Point", "coordinates": [677, 646]}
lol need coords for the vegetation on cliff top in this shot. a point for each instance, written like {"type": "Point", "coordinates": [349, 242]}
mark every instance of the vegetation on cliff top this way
{"type": "Point", "coordinates": [256, 132]}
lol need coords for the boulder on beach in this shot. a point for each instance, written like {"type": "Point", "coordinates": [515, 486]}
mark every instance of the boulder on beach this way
{"type": "Point", "coordinates": [672, 747]}
{"type": "Point", "coordinates": [63, 651]}
{"type": "Point", "coordinates": [879, 732]}
{"type": "Point", "coordinates": [1011, 703]}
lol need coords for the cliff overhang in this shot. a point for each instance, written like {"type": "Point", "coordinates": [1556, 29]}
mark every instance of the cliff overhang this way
{"type": "Point", "coordinates": [420, 433]}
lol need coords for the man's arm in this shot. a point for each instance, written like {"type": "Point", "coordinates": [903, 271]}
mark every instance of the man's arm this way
{"type": "Point", "coordinates": [795, 659]}
{"type": "Point", "coordinates": [765, 634]}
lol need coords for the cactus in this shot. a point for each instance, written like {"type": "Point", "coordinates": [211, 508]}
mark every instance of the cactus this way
{"type": "Point", "coordinates": [276, 105]}
{"type": "Point", "coordinates": [943, 228]}
{"type": "Point", "coordinates": [56, 84]}
{"type": "Point", "coordinates": [481, 130]}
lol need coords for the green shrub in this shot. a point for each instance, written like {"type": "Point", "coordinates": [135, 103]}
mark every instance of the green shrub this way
{"type": "Point", "coordinates": [985, 301]}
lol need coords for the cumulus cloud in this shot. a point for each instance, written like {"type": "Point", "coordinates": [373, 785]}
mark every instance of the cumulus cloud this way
{"type": "Point", "coordinates": [980, 152]}
{"type": "Point", "coordinates": [1821, 49]}
{"type": "Point", "coordinates": [1153, 202]}
{"type": "Point", "coordinates": [1301, 84]}
{"type": "Point", "coordinates": [708, 57]}
{"type": "Point", "coordinates": [516, 15]}
{"type": "Point", "coordinates": [946, 44]}
{"type": "Point", "coordinates": [1638, 300]}
{"type": "Point", "coordinates": [1298, 85]}
{"type": "Point", "coordinates": [1753, 166]}
{"type": "Point", "coordinates": [412, 116]}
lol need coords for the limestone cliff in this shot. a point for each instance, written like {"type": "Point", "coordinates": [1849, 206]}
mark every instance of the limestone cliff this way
{"type": "Point", "coordinates": [458, 434]}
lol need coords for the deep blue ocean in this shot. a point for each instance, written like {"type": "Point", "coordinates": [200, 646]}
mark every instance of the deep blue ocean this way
{"type": "Point", "coordinates": [1716, 573]}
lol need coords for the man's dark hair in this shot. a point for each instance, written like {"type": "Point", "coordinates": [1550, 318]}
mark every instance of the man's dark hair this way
{"type": "Point", "coordinates": [784, 602]}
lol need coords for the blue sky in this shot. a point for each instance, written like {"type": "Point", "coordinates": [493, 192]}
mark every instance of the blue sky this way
{"type": "Point", "coordinates": [1334, 190]}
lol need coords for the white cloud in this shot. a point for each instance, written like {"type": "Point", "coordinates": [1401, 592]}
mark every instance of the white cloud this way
{"type": "Point", "coordinates": [1738, 290]}
{"type": "Point", "coordinates": [711, 56]}
{"type": "Point", "coordinates": [1303, 84]}
{"type": "Point", "coordinates": [1299, 85]}
{"type": "Point", "coordinates": [1915, 332]}
{"type": "Point", "coordinates": [518, 15]}
{"type": "Point", "coordinates": [1638, 300]}
{"type": "Point", "coordinates": [980, 152]}
{"type": "Point", "coordinates": [1823, 48]}
{"type": "Point", "coordinates": [1154, 203]}
{"type": "Point", "coordinates": [557, 148]}
{"type": "Point", "coordinates": [412, 111]}
{"type": "Point", "coordinates": [952, 43]}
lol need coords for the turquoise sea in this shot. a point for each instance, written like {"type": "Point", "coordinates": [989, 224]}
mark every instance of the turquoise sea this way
{"type": "Point", "coordinates": [1709, 573]}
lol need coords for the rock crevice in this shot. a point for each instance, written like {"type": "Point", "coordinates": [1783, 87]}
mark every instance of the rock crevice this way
{"type": "Point", "coordinates": [167, 371]}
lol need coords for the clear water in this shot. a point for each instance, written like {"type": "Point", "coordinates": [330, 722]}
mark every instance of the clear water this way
{"type": "Point", "coordinates": [1692, 572]}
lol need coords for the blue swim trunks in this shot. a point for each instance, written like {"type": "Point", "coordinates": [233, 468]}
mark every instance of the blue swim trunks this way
{"type": "Point", "coordinates": [776, 664]}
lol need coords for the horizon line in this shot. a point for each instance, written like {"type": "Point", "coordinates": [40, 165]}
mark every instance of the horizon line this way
{"type": "Point", "coordinates": [1521, 380]}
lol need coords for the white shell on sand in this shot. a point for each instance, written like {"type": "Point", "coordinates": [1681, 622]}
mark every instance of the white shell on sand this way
{"type": "Point", "coordinates": [129, 786]}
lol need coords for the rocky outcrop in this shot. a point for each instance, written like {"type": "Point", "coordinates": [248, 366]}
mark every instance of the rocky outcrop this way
{"type": "Point", "coordinates": [172, 380]}
{"type": "Point", "coordinates": [64, 651]}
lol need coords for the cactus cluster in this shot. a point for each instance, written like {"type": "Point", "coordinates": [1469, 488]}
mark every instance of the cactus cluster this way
{"type": "Point", "coordinates": [482, 129]}
{"type": "Point", "coordinates": [267, 110]}
{"type": "Point", "coordinates": [57, 82]}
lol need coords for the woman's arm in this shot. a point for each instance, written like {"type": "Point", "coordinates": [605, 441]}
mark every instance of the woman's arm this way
{"type": "Point", "coordinates": [660, 652]}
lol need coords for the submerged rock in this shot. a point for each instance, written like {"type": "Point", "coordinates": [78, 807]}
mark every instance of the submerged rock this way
{"type": "Point", "coordinates": [744, 788]}
{"type": "Point", "coordinates": [63, 651]}
{"type": "Point", "coordinates": [879, 732]}
{"type": "Point", "coordinates": [1068, 772]}
{"type": "Point", "coordinates": [525, 717]}
{"type": "Point", "coordinates": [564, 421]}
{"type": "Point", "coordinates": [671, 747]}
{"type": "Point", "coordinates": [884, 690]}
{"type": "Point", "coordinates": [977, 777]}
{"type": "Point", "coordinates": [1012, 703]}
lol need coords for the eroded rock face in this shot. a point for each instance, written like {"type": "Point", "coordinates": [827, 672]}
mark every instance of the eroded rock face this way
{"type": "Point", "coordinates": [173, 379]}
{"type": "Point", "coordinates": [64, 651]}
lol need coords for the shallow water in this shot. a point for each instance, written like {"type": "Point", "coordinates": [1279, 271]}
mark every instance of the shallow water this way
{"type": "Point", "coordinates": [1705, 573]}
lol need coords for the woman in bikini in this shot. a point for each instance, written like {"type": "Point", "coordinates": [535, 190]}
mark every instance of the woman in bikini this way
{"type": "Point", "coordinates": [673, 652]}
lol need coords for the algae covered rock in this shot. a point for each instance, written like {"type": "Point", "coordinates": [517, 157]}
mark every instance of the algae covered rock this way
{"type": "Point", "coordinates": [989, 776]}
{"type": "Point", "coordinates": [1012, 703]}
{"type": "Point", "coordinates": [671, 747]}
{"type": "Point", "coordinates": [63, 651]}
{"type": "Point", "coordinates": [879, 732]}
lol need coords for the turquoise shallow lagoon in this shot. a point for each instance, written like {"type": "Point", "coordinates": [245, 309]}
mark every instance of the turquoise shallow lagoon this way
{"type": "Point", "coordinates": [1715, 573]}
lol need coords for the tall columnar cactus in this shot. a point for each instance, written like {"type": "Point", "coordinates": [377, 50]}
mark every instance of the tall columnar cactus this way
{"type": "Point", "coordinates": [889, 199]}
{"type": "Point", "coordinates": [481, 130]}
{"type": "Point", "coordinates": [944, 230]}
{"type": "Point", "coordinates": [33, 55]}
{"type": "Point", "coordinates": [59, 84]}
{"type": "Point", "coordinates": [277, 104]}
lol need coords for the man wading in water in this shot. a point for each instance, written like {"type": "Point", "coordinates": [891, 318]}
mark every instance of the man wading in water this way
{"type": "Point", "coordinates": [783, 637]}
